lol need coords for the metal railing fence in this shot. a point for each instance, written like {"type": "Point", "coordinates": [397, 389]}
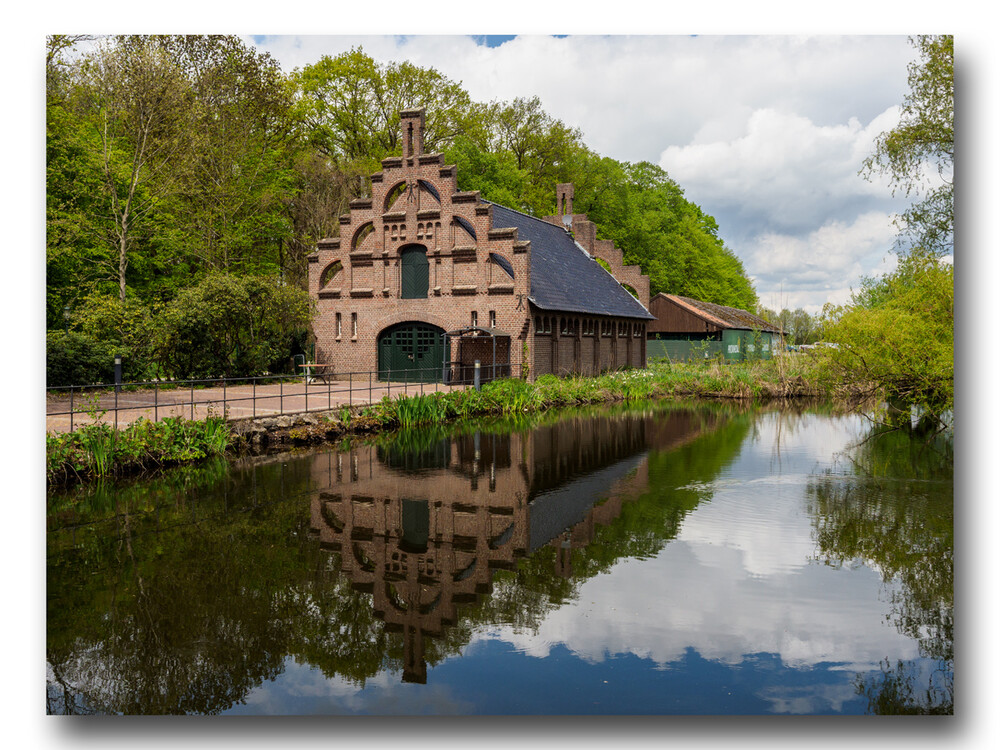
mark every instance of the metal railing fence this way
{"type": "Point", "coordinates": [259, 396]}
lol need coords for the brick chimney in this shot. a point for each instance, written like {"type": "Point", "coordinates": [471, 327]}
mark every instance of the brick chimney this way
{"type": "Point", "coordinates": [564, 198]}
{"type": "Point", "coordinates": [412, 121]}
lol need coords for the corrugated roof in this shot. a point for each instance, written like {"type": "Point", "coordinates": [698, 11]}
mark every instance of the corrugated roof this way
{"type": "Point", "coordinates": [725, 317]}
{"type": "Point", "coordinates": [563, 276]}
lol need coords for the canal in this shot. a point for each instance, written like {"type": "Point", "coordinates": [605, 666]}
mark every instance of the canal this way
{"type": "Point", "coordinates": [660, 558]}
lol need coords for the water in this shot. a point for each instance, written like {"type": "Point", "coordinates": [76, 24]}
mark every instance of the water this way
{"type": "Point", "coordinates": [668, 559]}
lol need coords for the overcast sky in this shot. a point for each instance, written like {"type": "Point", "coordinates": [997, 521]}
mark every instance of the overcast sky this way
{"type": "Point", "coordinates": [765, 133]}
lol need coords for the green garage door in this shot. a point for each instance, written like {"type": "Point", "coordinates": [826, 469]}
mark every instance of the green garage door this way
{"type": "Point", "coordinates": [411, 352]}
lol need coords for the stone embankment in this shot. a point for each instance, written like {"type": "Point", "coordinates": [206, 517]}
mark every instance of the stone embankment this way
{"type": "Point", "coordinates": [262, 433]}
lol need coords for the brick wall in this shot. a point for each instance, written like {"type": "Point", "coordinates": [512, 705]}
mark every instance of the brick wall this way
{"type": "Point", "coordinates": [415, 202]}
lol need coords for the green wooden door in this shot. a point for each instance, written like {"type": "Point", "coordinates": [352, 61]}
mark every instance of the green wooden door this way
{"type": "Point", "coordinates": [414, 273]}
{"type": "Point", "coordinates": [411, 352]}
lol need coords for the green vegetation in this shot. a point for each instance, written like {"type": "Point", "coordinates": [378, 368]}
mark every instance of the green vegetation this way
{"type": "Point", "coordinates": [898, 336]}
{"type": "Point", "coordinates": [922, 144]}
{"type": "Point", "coordinates": [98, 450]}
{"type": "Point", "coordinates": [232, 326]}
{"type": "Point", "coordinates": [174, 162]}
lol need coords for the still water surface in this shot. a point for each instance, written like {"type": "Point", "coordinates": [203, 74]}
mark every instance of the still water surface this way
{"type": "Point", "coordinates": [659, 559]}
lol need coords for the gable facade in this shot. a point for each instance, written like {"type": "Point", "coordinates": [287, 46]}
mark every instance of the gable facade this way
{"type": "Point", "coordinates": [420, 259]}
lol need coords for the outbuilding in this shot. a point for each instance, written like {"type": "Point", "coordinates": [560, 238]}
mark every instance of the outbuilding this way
{"type": "Point", "coordinates": [687, 329]}
{"type": "Point", "coordinates": [420, 261]}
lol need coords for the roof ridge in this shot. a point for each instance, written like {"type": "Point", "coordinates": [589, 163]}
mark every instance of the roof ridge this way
{"type": "Point", "coordinates": [528, 216]}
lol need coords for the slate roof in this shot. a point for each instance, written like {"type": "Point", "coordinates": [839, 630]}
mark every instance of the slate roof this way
{"type": "Point", "coordinates": [563, 276]}
{"type": "Point", "coordinates": [724, 317]}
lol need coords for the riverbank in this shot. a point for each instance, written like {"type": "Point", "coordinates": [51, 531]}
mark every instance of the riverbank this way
{"type": "Point", "coordinates": [98, 450]}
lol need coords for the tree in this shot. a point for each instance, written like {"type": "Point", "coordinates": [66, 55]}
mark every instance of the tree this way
{"type": "Point", "coordinates": [923, 145]}
{"type": "Point", "coordinates": [136, 105]}
{"type": "Point", "coordinates": [350, 105]}
{"type": "Point", "coordinates": [73, 249]}
{"type": "Point", "coordinates": [230, 202]}
{"type": "Point", "coordinates": [898, 336]}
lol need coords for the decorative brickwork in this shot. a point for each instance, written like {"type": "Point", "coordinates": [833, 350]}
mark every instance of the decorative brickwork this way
{"type": "Point", "coordinates": [416, 211]}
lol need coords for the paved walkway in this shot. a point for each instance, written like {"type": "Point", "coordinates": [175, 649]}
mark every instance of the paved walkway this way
{"type": "Point", "coordinates": [289, 397]}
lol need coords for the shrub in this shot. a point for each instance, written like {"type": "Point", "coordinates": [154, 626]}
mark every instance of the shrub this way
{"type": "Point", "coordinates": [231, 326]}
{"type": "Point", "coordinates": [125, 329]}
{"type": "Point", "coordinates": [899, 335]}
{"type": "Point", "coordinates": [77, 359]}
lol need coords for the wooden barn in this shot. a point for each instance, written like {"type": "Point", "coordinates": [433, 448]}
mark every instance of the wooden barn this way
{"type": "Point", "coordinates": [687, 329]}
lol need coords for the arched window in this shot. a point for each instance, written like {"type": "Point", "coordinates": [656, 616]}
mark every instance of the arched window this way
{"type": "Point", "coordinates": [393, 195]}
{"type": "Point", "coordinates": [414, 273]}
{"type": "Point", "coordinates": [329, 272]}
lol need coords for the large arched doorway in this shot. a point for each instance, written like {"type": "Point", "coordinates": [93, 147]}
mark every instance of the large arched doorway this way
{"type": "Point", "coordinates": [411, 352]}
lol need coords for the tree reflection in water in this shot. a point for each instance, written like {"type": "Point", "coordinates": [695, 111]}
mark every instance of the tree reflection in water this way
{"type": "Point", "coordinates": [388, 557]}
{"type": "Point", "coordinates": [896, 516]}
{"type": "Point", "coordinates": [184, 594]}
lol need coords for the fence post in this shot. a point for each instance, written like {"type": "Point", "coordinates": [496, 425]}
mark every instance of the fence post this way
{"type": "Point", "coordinates": [71, 408]}
{"type": "Point", "coordinates": [223, 398]}
{"type": "Point", "coordinates": [369, 386]}
{"type": "Point", "coordinates": [305, 388]}
{"type": "Point", "coordinates": [281, 396]}
{"type": "Point", "coordinates": [156, 402]}
{"type": "Point", "coordinates": [350, 388]}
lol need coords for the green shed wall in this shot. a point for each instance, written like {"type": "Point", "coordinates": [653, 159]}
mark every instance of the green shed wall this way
{"type": "Point", "coordinates": [735, 346]}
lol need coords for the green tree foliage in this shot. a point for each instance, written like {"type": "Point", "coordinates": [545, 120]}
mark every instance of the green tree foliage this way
{"type": "Point", "coordinates": [135, 109]}
{"type": "Point", "coordinates": [124, 328]}
{"type": "Point", "coordinates": [172, 157]}
{"type": "Point", "coordinates": [229, 209]}
{"type": "Point", "coordinates": [350, 105]}
{"type": "Point", "coordinates": [918, 154]}
{"type": "Point", "coordinates": [898, 334]}
{"type": "Point", "coordinates": [231, 326]}
{"type": "Point", "coordinates": [797, 326]}
{"type": "Point", "coordinates": [73, 250]}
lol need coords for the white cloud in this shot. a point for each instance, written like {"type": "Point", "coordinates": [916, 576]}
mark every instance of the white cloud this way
{"type": "Point", "coordinates": [794, 271]}
{"type": "Point", "coordinates": [739, 579]}
{"type": "Point", "coordinates": [765, 133]}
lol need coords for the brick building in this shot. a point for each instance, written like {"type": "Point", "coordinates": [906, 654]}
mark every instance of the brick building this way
{"type": "Point", "coordinates": [424, 543]}
{"type": "Point", "coordinates": [424, 280]}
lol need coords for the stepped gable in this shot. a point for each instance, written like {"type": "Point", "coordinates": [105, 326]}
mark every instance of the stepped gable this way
{"type": "Point", "coordinates": [564, 277]}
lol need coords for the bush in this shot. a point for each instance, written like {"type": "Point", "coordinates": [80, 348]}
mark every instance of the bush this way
{"type": "Point", "coordinates": [124, 329]}
{"type": "Point", "coordinates": [77, 359]}
{"type": "Point", "coordinates": [231, 326]}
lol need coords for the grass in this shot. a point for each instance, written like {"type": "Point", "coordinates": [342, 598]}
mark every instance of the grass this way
{"type": "Point", "coordinates": [98, 450]}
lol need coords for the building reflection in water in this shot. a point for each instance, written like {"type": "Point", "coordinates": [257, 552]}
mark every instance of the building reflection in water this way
{"type": "Point", "coordinates": [423, 528]}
